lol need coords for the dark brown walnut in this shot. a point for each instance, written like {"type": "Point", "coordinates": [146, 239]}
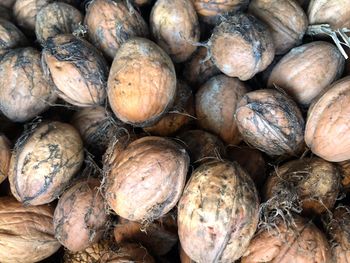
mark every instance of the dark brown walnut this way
{"type": "Point", "coordinates": [202, 146]}
{"type": "Point", "coordinates": [271, 122]}
{"type": "Point", "coordinates": [141, 2]}
{"type": "Point", "coordinates": [307, 70]}
{"type": "Point", "coordinates": [241, 46]}
{"type": "Point", "coordinates": [98, 128]}
{"type": "Point", "coordinates": [217, 213]}
{"type": "Point", "coordinates": [129, 252]}
{"type": "Point", "coordinates": [25, 12]}
{"type": "Point", "coordinates": [158, 237]}
{"type": "Point", "coordinates": [327, 128]}
{"type": "Point", "coordinates": [211, 10]}
{"type": "Point", "coordinates": [141, 83]}
{"type": "Point", "coordinates": [7, 3]}
{"type": "Point", "coordinates": [56, 18]}
{"type": "Point", "coordinates": [338, 229]}
{"type": "Point", "coordinates": [26, 233]}
{"type": "Point", "coordinates": [10, 36]}
{"type": "Point", "coordinates": [80, 218]}
{"type": "Point", "coordinates": [25, 91]}
{"type": "Point", "coordinates": [316, 183]}
{"type": "Point", "coordinates": [5, 13]}
{"type": "Point", "coordinates": [344, 168]}
{"type": "Point", "coordinates": [336, 13]}
{"type": "Point", "coordinates": [286, 20]}
{"type": "Point", "coordinates": [301, 242]}
{"type": "Point", "coordinates": [199, 69]}
{"type": "Point", "coordinates": [216, 102]}
{"type": "Point", "coordinates": [112, 22]}
{"type": "Point", "coordinates": [146, 180]}
{"type": "Point", "coordinates": [5, 157]}
{"type": "Point", "coordinates": [77, 69]}
{"type": "Point", "coordinates": [44, 161]}
{"type": "Point", "coordinates": [175, 27]}
{"type": "Point", "coordinates": [179, 115]}
{"type": "Point", "coordinates": [251, 160]}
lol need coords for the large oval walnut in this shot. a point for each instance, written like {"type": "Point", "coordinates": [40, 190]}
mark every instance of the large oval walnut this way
{"type": "Point", "coordinates": [5, 156]}
{"type": "Point", "coordinates": [80, 217]}
{"type": "Point", "coordinates": [141, 83]}
{"type": "Point", "coordinates": [216, 102]}
{"type": "Point", "coordinates": [301, 242]}
{"type": "Point", "coordinates": [175, 28]}
{"type": "Point", "coordinates": [241, 46]}
{"type": "Point", "coordinates": [286, 20]}
{"type": "Point", "coordinates": [336, 13]}
{"type": "Point", "coordinates": [271, 122]}
{"type": "Point", "coordinates": [327, 128]}
{"type": "Point", "coordinates": [217, 213]}
{"type": "Point", "coordinates": [56, 18]}
{"type": "Point", "coordinates": [25, 91]}
{"type": "Point", "coordinates": [307, 70]}
{"type": "Point", "coordinates": [10, 36]}
{"type": "Point", "coordinates": [146, 180]}
{"type": "Point", "coordinates": [44, 161]}
{"type": "Point", "coordinates": [26, 233]}
{"type": "Point", "coordinates": [112, 22]}
{"type": "Point", "coordinates": [316, 183]}
{"type": "Point", "coordinates": [78, 70]}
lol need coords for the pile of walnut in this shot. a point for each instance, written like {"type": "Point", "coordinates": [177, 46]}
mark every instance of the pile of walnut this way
{"type": "Point", "coordinates": [174, 131]}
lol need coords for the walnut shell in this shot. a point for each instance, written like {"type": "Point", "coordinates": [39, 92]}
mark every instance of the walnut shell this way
{"type": "Point", "coordinates": [344, 168]}
{"type": "Point", "coordinates": [302, 242]}
{"type": "Point", "coordinates": [315, 181]}
{"type": "Point", "coordinates": [78, 70]}
{"type": "Point", "coordinates": [44, 161]}
{"type": "Point", "coordinates": [216, 102]}
{"type": "Point", "coordinates": [130, 252]}
{"type": "Point", "coordinates": [56, 18]}
{"type": "Point", "coordinates": [184, 258]}
{"type": "Point", "coordinates": [26, 233]}
{"type": "Point", "coordinates": [286, 20]}
{"type": "Point", "coordinates": [179, 115]}
{"type": "Point", "coordinates": [241, 46]}
{"type": "Point", "coordinates": [217, 213]}
{"type": "Point", "coordinates": [5, 157]}
{"type": "Point", "coordinates": [7, 3]}
{"type": "Point", "coordinates": [25, 91]}
{"type": "Point", "coordinates": [141, 83]}
{"type": "Point", "coordinates": [271, 122]}
{"type": "Point", "coordinates": [327, 128]}
{"type": "Point", "coordinates": [10, 36]}
{"type": "Point", "coordinates": [141, 2]}
{"type": "Point", "coordinates": [110, 23]}
{"type": "Point", "coordinates": [175, 28]}
{"type": "Point", "coordinates": [146, 180]}
{"type": "Point", "coordinates": [5, 13]}
{"type": "Point", "coordinates": [307, 70]}
{"type": "Point", "coordinates": [336, 13]}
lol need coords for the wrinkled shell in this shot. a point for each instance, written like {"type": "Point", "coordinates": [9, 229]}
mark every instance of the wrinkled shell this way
{"type": "Point", "coordinates": [251, 160]}
{"type": "Point", "coordinates": [10, 36]}
{"type": "Point", "coordinates": [286, 20]}
{"type": "Point", "coordinates": [141, 83]}
{"type": "Point", "coordinates": [56, 18]}
{"type": "Point", "coordinates": [26, 233]}
{"type": "Point", "coordinates": [344, 168]}
{"type": "Point", "coordinates": [327, 128]}
{"type": "Point", "coordinates": [78, 70]}
{"type": "Point", "coordinates": [241, 46]}
{"type": "Point", "coordinates": [5, 156]}
{"type": "Point", "coordinates": [271, 122]}
{"type": "Point", "coordinates": [130, 252]}
{"type": "Point", "coordinates": [217, 213]}
{"type": "Point", "coordinates": [25, 12]}
{"type": "Point", "coordinates": [80, 216]}
{"type": "Point", "coordinates": [335, 13]}
{"type": "Point", "coordinates": [198, 69]}
{"type": "Point", "coordinates": [7, 3]}
{"type": "Point", "coordinates": [299, 243]}
{"type": "Point", "coordinates": [307, 70]}
{"type": "Point", "coordinates": [202, 146]}
{"type": "Point", "coordinates": [210, 10]}
{"type": "Point", "coordinates": [110, 23]}
{"type": "Point", "coordinates": [158, 237]}
{"type": "Point", "coordinates": [315, 181]}
{"type": "Point", "coordinates": [25, 91]}
{"type": "Point", "coordinates": [178, 116]}
{"type": "Point", "coordinates": [216, 102]}
{"type": "Point", "coordinates": [175, 28]}
{"type": "Point", "coordinates": [146, 180]}
{"type": "Point", "coordinates": [43, 162]}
